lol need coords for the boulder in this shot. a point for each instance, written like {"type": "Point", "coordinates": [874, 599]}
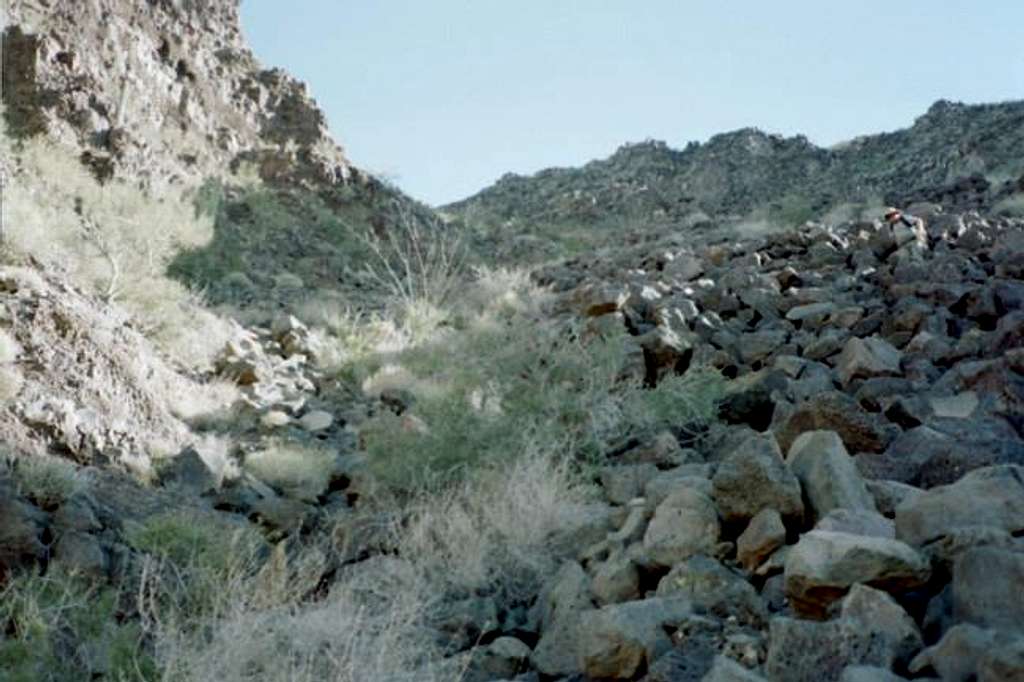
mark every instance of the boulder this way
{"type": "Point", "coordinates": [857, 522]}
{"type": "Point", "coordinates": [616, 580]}
{"type": "Point", "coordinates": [809, 651]}
{"type": "Point", "coordinates": [503, 658]}
{"type": "Point", "coordinates": [993, 497]}
{"type": "Point", "coordinates": [860, 431]}
{"type": "Point", "coordinates": [616, 642]}
{"type": "Point", "coordinates": [1004, 663]}
{"type": "Point", "coordinates": [944, 449]}
{"type": "Point", "coordinates": [880, 613]}
{"type": "Point", "coordinates": [891, 494]}
{"type": "Point", "coordinates": [828, 474]}
{"type": "Point", "coordinates": [685, 524]}
{"type": "Point", "coordinates": [755, 478]}
{"type": "Point", "coordinates": [823, 566]}
{"type": "Point", "coordinates": [957, 655]}
{"type": "Point", "coordinates": [558, 611]}
{"type": "Point", "coordinates": [21, 531]}
{"type": "Point", "coordinates": [988, 589]}
{"type": "Point", "coordinates": [714, 590]}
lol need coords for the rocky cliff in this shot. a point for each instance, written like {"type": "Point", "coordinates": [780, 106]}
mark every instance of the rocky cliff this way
{"type": "Point", "coordinates": [163, 91]}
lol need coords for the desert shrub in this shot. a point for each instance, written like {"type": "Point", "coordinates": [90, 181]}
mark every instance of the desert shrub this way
{"type": "Point", "coordinates": [792, 210]}
{"type": "Point", "coordinates": [193, 568]}
{"type": "Point", "coordinates": [416, 259]}
{"type": "Point", "coordinates": [61, 627]}
{"type": "Point", "coordinates": [499, 530]}
{"type": "Point", "coordinates": [483, 392]}
{"type": "Point", "coordinates": [112, 240]}
{"type": "Point", "coordinates": [48, 481]}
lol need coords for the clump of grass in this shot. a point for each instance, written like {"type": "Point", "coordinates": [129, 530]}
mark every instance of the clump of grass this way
{"type": "Point", "coordinates": [497, 529]}
{"type": "Point", "coordinates": [298, 470]}
{"type": "Point", "coordinates": [192, 565]}
{"type": "Point", "coordinates": [47, 481]}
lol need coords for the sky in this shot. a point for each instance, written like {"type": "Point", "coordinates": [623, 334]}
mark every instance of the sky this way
{"type": "Point", "coordinates": [445, 96]}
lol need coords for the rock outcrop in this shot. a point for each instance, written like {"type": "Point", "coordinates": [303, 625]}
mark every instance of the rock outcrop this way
{"type": "Point", "coordinates": [160, 92]}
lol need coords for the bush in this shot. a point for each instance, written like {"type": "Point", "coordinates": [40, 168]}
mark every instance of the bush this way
{"type": "Point", "coordinates": [415, 259]}
{"type": "Point", "coordinates": [60, 627]}
{"type": "Point", "coordinates": [46, 480]}
{"type": "Point", "coordinates": [483, 393]}
{"type": "Point", "coordinates": [114, 241]}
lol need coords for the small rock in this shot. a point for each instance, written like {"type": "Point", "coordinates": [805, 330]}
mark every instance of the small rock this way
{"type": "Point", "coordinates": [316, 420]}
{"type": "Point", "coordinates": [725, 669]}
{"type": "Point", "coordinates": [868, 673]}
{"type": "Point", "coordinates": [275, 419]}
{"type": "Point", "coordinates": [867, 358]}
{"type": "Point", "coordinates": [764, 534]}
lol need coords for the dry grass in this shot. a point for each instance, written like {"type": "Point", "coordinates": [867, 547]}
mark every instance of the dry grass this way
{"type": "Point", "coordinates": [493, 533]}
{"type": "Point", "coordinates": [113, 241]}
{"type": "Point", "coordinates": [301, 471]}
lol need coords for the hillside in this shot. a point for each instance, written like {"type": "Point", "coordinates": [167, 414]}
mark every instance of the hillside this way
{"type": "Point", "coordinates": [263, 418]}
{"type": "Point", "coordinates": [751, 176]}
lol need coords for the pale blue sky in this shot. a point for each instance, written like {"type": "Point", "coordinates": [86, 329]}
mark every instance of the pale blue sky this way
{"type": "Point", "coordinates": [445, 96]}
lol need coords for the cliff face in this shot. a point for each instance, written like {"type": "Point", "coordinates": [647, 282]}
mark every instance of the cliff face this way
{"type": "Point", "coordinates": [160, 91]}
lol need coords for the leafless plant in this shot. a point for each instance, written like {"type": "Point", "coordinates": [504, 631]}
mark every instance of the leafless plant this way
{"type": "Point", "coordinates": [416, 258]}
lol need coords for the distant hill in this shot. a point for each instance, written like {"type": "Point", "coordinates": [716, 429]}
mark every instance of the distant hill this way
{"type": "Point", "coordinates": [749, 174]}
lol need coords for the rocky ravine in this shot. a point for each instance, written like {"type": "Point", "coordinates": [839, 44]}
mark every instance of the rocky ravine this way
{"type": "Point", "coordinates": [856, 515]}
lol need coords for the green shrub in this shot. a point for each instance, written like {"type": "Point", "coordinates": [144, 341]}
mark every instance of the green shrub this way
{"type": "Point", "coordinates": [64, 628]}
{"type": "Point", "coordinates": [48, 481]}
{"type": "Point", "coordinates": [485, 392]}
{"type": "Point", "coordinates": [194, 566]}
